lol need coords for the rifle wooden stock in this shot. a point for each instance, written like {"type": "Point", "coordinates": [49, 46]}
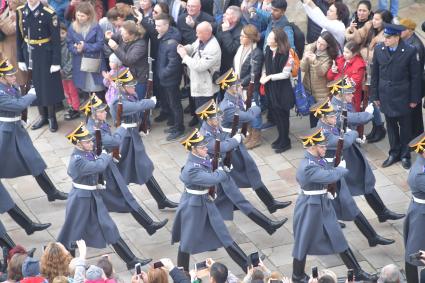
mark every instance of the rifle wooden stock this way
{"type": "Point", "coordinates": [365, 102]}
{"type": "Point", "coordinates": [212, 190]}
{"type": "Point", "coordinates": [228, 159]}
{"type": "Point", "coordinates": [345, 121]}
{"type": "Point", "coordinates": [338, 154]}
{"type": "Point", "coordinates": [98, 135]}
{"type": "Point", "coordinates": [144, 125]}
{"type": "Point", "coordinates": [119, 113]}
{"type": "Point", "coordinates": [248, 102]}
{"type": "Point", "coordinates": [25, 90]}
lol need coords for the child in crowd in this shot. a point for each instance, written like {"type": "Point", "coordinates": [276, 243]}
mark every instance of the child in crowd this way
{"type": "Point", "coordinates": [69, 88]}
{"type": "Point", "coordinates": [108, 269]}
{"type": "Point", "coordinates": [116, 65]}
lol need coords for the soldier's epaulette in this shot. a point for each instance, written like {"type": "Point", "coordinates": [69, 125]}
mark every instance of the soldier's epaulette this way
{"type": "Point", "coordinates": [196, 165]}
{"type": "Point", "coordinates": [20, 7]}
{"type": "Point", "coordinates": [311, 161]}
{"type": "Point", "coordinates": [207, 134]}
{"type": "Point", "coordinates": [231, 103]}
{"type": "Point", "coordinates": [77, 157]}
{"type": "Point", "coordinates": [49, 9]}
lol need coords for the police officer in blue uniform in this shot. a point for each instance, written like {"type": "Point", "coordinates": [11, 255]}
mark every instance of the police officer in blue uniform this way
{"type": "Point", "coordinates": [117, 197]}
{"type": "Point", "coordinates": [316, 229]}
{"type": "Point", "coordinates": [15, 143]}
{"type": "Point", "coordinates": [39, 51]}
{"type": "Point", "coordinates": [229, 195]}
{"type": "Point", "coordinates": [86, 215]}
{"type": "Point", "coordinates": [345, 207]}
{"type": "Point", "coordinates": [198, 225]}
{"type": "Point", "coordinates": [135, 164]}
{"type": "Point", "coordinates": [396, 89]}
{"type": "Point", "coordinates": [413, 230]}
{"type": "Point", "coordinates": [361, 180]}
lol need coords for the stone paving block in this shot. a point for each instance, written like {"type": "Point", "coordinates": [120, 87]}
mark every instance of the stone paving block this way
{"type": "Point", "coordinates": [400, 180]}
{"type": "Point", "coordinates": [26, 187]}
{"type": "Point", "coordinates": [381, 179]}
{"type": "Point", "coordinates": [263, 240]}
{"type": "Point", "coordinates": [280, 254]}
{"type": "Point", "coordinates": [392, 194]}
{"type": "Point", "coordinates": [277, 162]}
{"type": "Point", "coordinates": [376, 257]}
{"type": "Point", "coordinates": [288, 175]}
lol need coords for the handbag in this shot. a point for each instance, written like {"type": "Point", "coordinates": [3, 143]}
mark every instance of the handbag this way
{"type": "Point", "coordinates": [303, 100]}
{"type": "Point", "coordinates": [90, 65]}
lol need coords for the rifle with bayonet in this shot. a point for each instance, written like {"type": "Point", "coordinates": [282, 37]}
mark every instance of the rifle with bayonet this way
{"type": "Point", "coordinates": [216, 158]}
{"type": "Point", "coordinates": [144, 125]}
{"type": "Point", "coordinates": [249, 93]}
{"type": "Point", "coordinates": [98, 136]}
{"type": "Point", "coordinates": [118, 117]}
{"type": "Point", "coordinates": [365, 100]}
{"type": "Point", "coordinates": [28, 83]}
{"type": "Point", "coordinates": [228, 159]}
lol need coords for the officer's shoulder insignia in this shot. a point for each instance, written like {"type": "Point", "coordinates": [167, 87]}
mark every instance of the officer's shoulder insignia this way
{"type": "Point", "coordinates": [55, 21]}
{"type": "Point", "coordinates": [230, 103]}
{"type": "Point", "coordinates": [48, 9]}
{"type": "Point", "coordinates": [196, 165]}
{"type": "Point", "coordinates": [77, 157]}
{"type": "Point", "coordinates": [311, 161]}
{"type": "Point", "coordinates": [207, 134]}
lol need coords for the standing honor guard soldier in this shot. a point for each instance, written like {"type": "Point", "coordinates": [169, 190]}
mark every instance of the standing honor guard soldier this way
{"type": "Point", "coordinates": [86, 215]}
{"type": "Point", "coordinates": [15, 143]}
{"type": "Point", "coordinates": [245, 171]}
{"type": "Point", "coordinates": [229, 195]}
{"type": "Point", "coordinates": [316, 229]}
{"type": "Point", "coordinates": [39, 51]}
{"type": "Point", "coordinates": [117, 197]}
{"type": "Point", "coordinates": [198, 225]}
{"type": "Point", "coordinates": [361, 180]}
{"type": "Point", "coordinates": [345, 207]}
{"type": "Point", "coordinates": [135, 165]}
{"type": "Point", "coordinates": [414, 239]}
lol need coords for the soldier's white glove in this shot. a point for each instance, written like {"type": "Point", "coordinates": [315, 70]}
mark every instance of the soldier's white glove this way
{"type": "Point", "coordinates": [331, 196]}
{"type": "Point", "coordinates": [54, 68]}
{"type": "Point", "coordinates": [238, 137]}
{"type": "Point", "coordinates": [227, 169]}
{"type": "Point", "coordinates": [153, 98]}
{"type": "Point", "coordinates": [361, 140]}
{"type": "Point", "coordinates": [348, 130]}
{"type": "Point", "coordinates": [342, 164]}
{"type": "Point", "coordinates": [253, 104]}
{"type": "Point", "coordinates": [32, 91]}
{"type": "Point", "coordinates": [369, 108]}
{"type": "Point", "coordinates": [22, 66]}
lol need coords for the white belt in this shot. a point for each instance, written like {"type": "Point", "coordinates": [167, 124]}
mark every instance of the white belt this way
{"type": "Point", "coordinates": [227, 130]}
{"type": "Point", "coordinates": [196, 192]}
{"type": "Point", "coordinates": [87, 187]}
{"type": "Point", "coordinates": [418, 200]}
{"type": "Point", "coordinates": [130, 125]}
{"type": "Point", "coordinates": [10, 119]}
{"type": "Point", "coordinates": [315, 193]}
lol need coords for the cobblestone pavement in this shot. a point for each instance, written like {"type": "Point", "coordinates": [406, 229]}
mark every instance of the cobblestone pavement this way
{"type": "Point", "coordinates": [278, 173]}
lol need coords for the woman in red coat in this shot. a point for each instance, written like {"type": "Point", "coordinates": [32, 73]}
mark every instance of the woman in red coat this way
{"type": "Point", "coordinates": [352, 65]}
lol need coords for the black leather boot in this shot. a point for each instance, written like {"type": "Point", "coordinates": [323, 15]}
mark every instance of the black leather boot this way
{"type": "Point", "coordinates": [372, 132]}
{"type": "Point", "coordinates": [127, 255]}
{"type": "Point", "coordinates": [25, 222]}
{"type": "Point", "coordinates": [7, 242]}
{"type": "Point", "coordinates": [266, 223]}
{"type": "Point", "coordinates": [42, 120]}
{"type": "Point", "coordinates": [411, 273]}
{"type": "Point", "coordinates": [298, 273]}
{"type": "Point", "coordinates": [53, 123]}
{"type": "Point", "coordinates": [351, 262]}
{"type": "Point", "coordinates": [238, 256]}
{"type": "Point", "coordinates": [183, 260]}
{"type": "Point", "coordinates": [266, 197]}
{"type": "Point", "coordinates": [380, 133]}
{"type": "Point", "coordinates": [367, 230]}
{"type": "Point", "coordinates": [157, 193]}
{"type": "Point", "coordinates": [378, 206]}
{"type": "Point", "coordinates": [49, 189]}
{"type": "Point", "coordinates": [144, 219]}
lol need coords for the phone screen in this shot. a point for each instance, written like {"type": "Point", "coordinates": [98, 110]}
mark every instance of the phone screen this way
{"type": "Point", "coordinates": [158, 264]}
{"type": "Point", "coordinates": [350, 275]}
{"type": "Point", "coordinates": [314, 272]}
{"type": "Point", "coordinates": [255, 259]}
{"type": "Point", "coordinates": [138, 268]}
{"type": "Point", "coordinates": [201, 265]}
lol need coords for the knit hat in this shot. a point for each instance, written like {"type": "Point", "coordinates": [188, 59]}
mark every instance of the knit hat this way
{"type": "Point", "coordinates": [408, 23]}
{"type": "Point", "coordinates": [114, 59]}
{"type": "Point", "coordinates": [94, 273]}
{"type": "Point", "coordinates": [30, 267]}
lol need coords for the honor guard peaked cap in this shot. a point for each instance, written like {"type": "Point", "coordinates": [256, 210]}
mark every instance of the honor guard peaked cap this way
{"type": "Point", "coordinates": [195, 138]}
{"type": "Point", "coordinates": [392, 29]}
{"type": "Point", "coordinates": [6, 69]}
{"type": "Point", "coordinates": [312, 137]}
{"type": "Point", "coordinates": [125, 77]}
{"type": "Point", "coordinates": [208, 110]}
{"type": "Point", "coordinates": [323, 108]}
{"type": "Point", "coordinates": [81, 133]}
{"type": "Point", "coordinates": [94, 103]}
{"type": "Point", "coordinates": [227, 79]}
{"type": "Point", "coordinates": [418, 144]}
{"type": "Point", "coordinates": [342, 85]}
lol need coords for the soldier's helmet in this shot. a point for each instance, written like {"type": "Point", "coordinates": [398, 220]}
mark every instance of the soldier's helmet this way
{"type": "Point", "coordinates": [6, 69]}
{"type": "Point", "coordinates": [93, 104]}
{"type": "Point", "coordinates": [418, 144]}
{"type": "Point", "coordinates": [208, 110]}
{"type": "Point", "coordinates": [227, 79]}
{"type": "Point", "coordinates": [323, 108]}
{"type": "Point", "coordinates": [193, 139]}
{"type": "Point", "coordinates": [313, 137]}
{"type": "Point", "coordinates": [342, 85]}
{"type": "Point", "coordinates": [125, 77]}
{"type": "Point", "coordinates": [81, 133]}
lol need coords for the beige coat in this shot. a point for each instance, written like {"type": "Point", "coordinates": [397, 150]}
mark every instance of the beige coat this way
{"type": "Point", "coordinates": [8, 45]}
{"type": "Point", "coordinates": [360, 36]}
{"type": "Point", "coordinates": [315, 73]}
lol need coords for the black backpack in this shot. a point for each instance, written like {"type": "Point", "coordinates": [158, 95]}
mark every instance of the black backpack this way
{"type": "Point", "coordinates": [299, 39]}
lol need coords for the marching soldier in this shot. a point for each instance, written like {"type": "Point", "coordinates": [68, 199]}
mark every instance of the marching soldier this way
{"type": "Point", "coordinates": [233, 102]}
{"type": "Point", "coordinates": [117, 197]}
{"type": "Point", "coordinates": [198, 225]}
{"type": "Point", "coordinates": [345, 207]}
{"type": "Point", "coordinates": [414, 239]}
{"type": "Point", "coordinates": [229, 195]}
{"type": "Point", "coordinates": [135, 165]}
{"type": "Point", "coordinates": [316, 229]}
{"type": "Point", "coordinates": [361, 180]}
{"type": "Point", "coordinates": [245, 171]}
{"type": "Point", "coordinates": [86, 215]}
{"type": "Point", "coordinates": [15, 143]}
{"type": "Point", "coordinates": [39, 51]}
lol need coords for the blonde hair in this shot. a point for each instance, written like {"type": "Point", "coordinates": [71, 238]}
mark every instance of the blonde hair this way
{"type": "Point", "coordinates": [87, 9]}
{"type": "Point", "coordinates": [60, 279]}
{"type": "Point", "coordinates": [157, 275]}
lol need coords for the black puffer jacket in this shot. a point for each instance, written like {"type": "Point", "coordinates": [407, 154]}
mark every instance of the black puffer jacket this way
{"type": "Point", "coordinates": [169, 64]}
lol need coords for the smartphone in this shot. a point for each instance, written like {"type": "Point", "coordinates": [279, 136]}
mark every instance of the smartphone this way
{"type": "Point", "coordinates": [255, 259]}
{"type": "Point", "coordinates": [416, 256]}
{"type": "Point", "coordinates": [158, 264]}
{"type": "Point", "coordinates": [350, 275]}
{"type": "Point", "coordinates": [201, 265]}
{"type": "Point", "coordinates": [314, 272]}
{"type": "Point", "coordinates": [138, 268]}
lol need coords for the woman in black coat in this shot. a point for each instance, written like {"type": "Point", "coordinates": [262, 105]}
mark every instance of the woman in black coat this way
{"type": "Point", "coordinates": [276, 75]}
